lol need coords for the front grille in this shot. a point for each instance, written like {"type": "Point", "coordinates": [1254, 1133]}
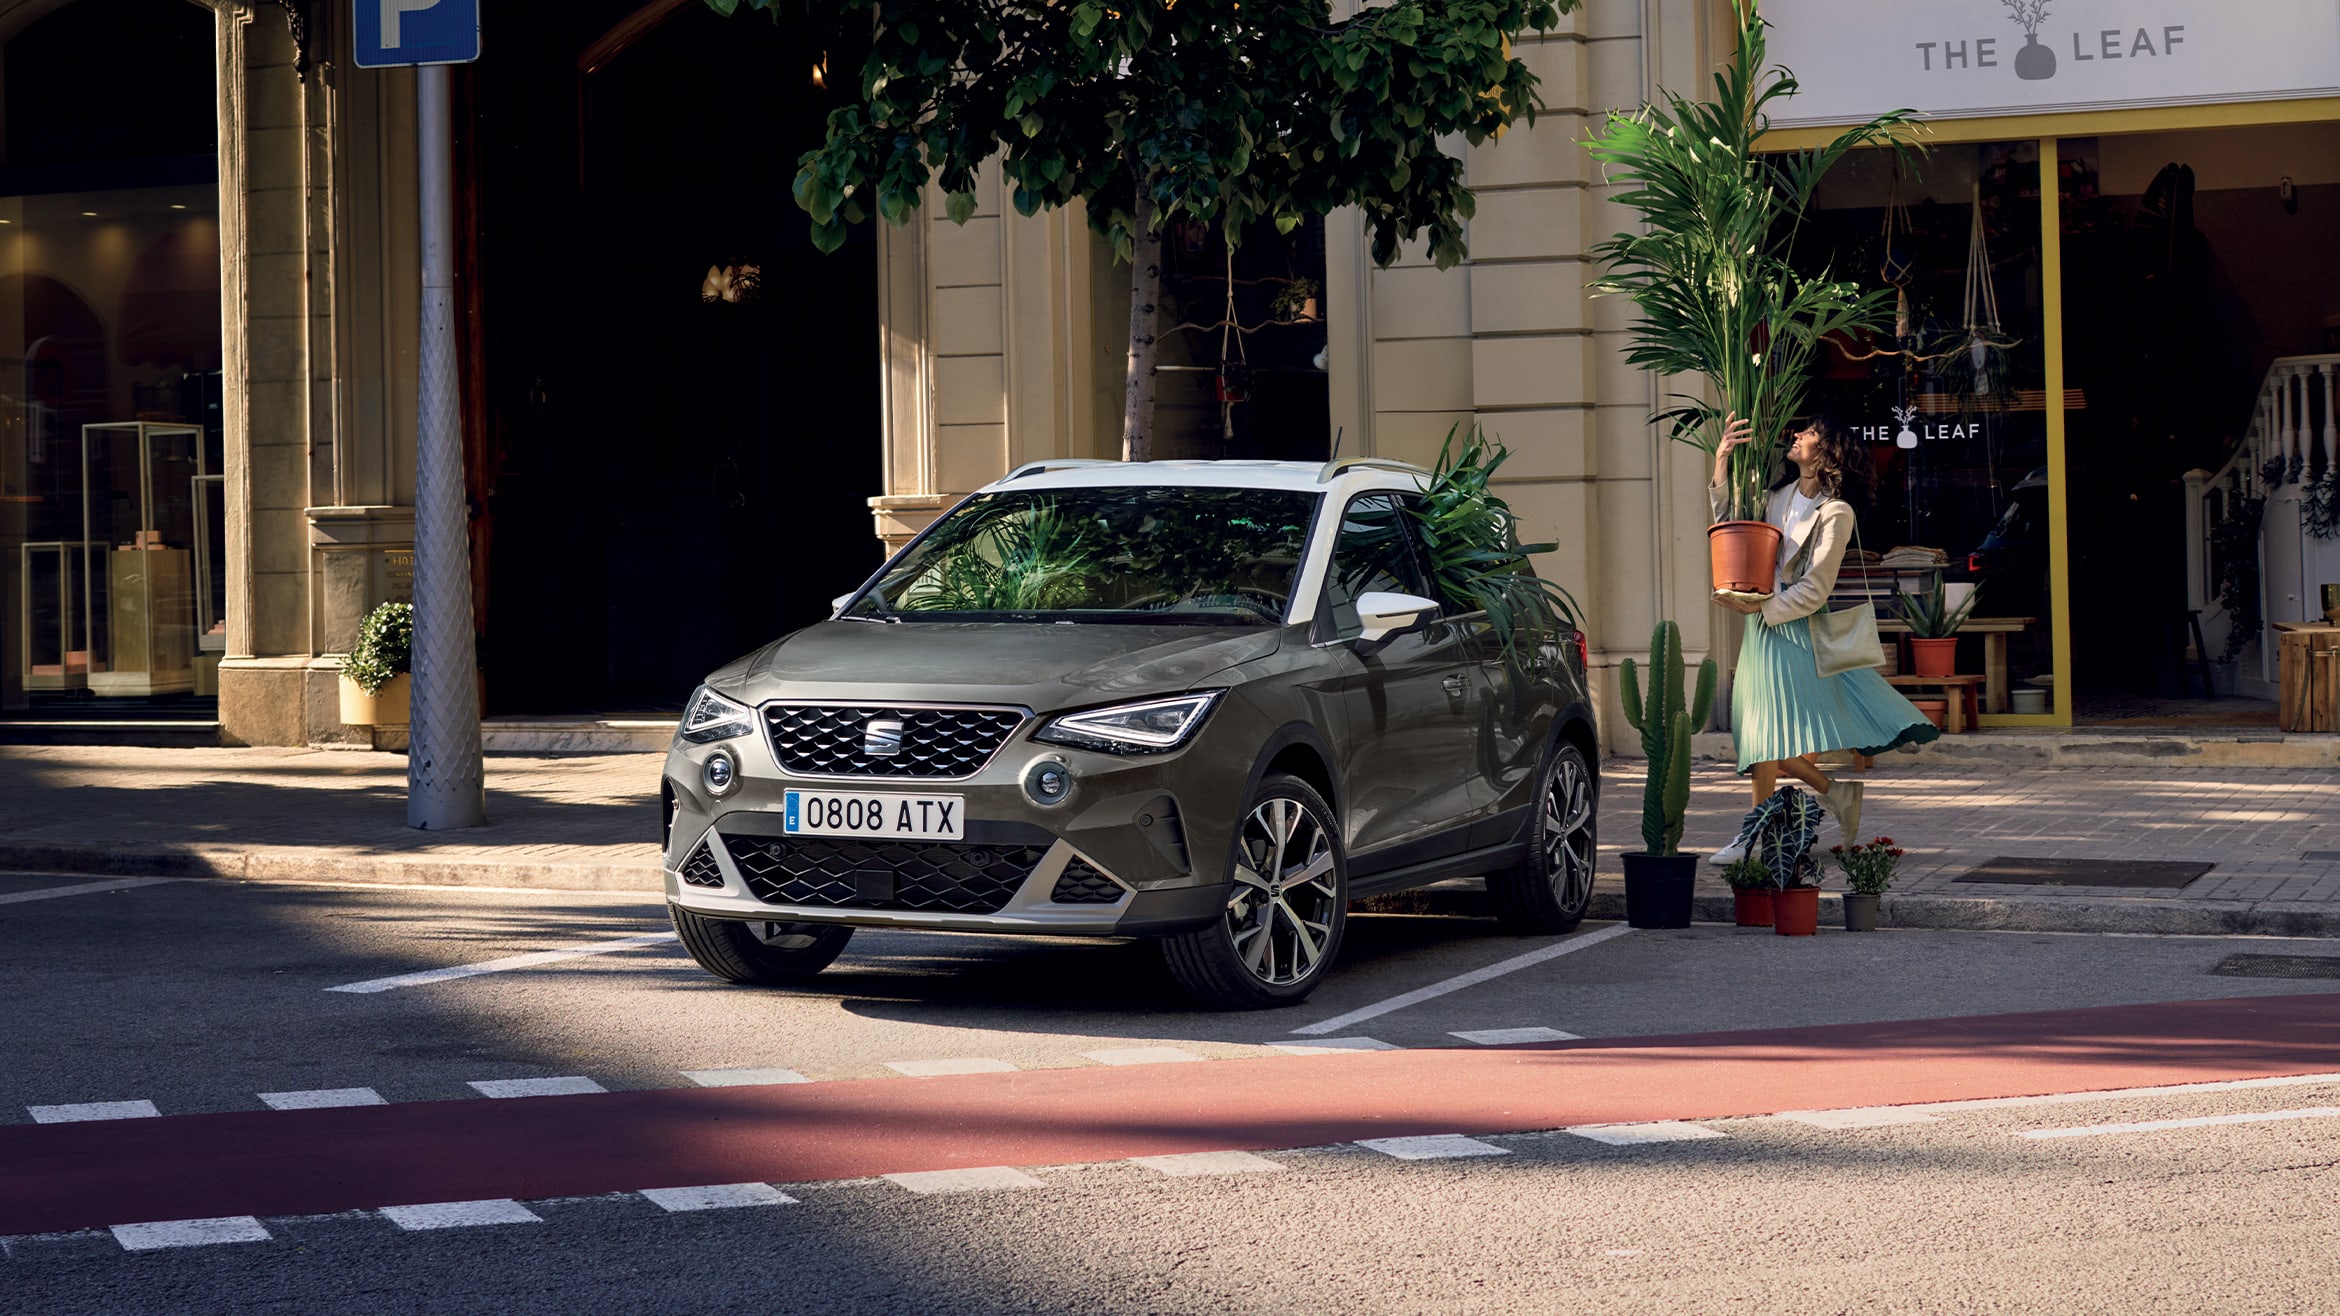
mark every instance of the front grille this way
{"type": "Point", "coordinates": [701, 869]}
{"type": "Point", "coordinates": [1084, 885]}
{"type": "Point", "coordinates": [946, 877]}
{"type": "Point", "coordinates": [939, 743]}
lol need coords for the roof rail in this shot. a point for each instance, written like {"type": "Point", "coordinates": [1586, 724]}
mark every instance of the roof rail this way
{"type": "Point", "coordinates": [1054, 464]}
{"type": "Point", "coordinates": [1339, 464]}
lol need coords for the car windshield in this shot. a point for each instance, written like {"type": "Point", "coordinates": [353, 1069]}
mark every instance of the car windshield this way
{"type": "Point", "coordinates": [1123, 555]}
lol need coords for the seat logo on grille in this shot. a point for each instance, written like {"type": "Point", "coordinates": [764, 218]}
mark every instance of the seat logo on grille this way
{"type": "Point", "coordinates": [881, 737]}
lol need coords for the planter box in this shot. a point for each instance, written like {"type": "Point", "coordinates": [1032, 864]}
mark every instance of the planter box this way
{"type": "Point", "coordinates": [385, 708]}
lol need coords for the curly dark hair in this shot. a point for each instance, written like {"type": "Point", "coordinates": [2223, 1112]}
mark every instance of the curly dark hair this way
{"type": "Point", "coordinates": [1847, 469]}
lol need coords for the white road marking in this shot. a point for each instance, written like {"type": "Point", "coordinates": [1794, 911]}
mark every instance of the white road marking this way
{"type": "Point", "coordinates": [1462, 980]}
{"type": "Point", "coordinates": [1639, 1135]}
{"type": "Point", "coordinates": [461, 1215]}
{"type": "Point", "coordinates": [1513, 1036]}
{"type": "Point", "coordinates": [718, 1197]}
{"type": "Point", "coordinates": [1215, 1162]}
{"type": "Point", "coordinates": [982, 1179]}
{"type": "Point", "coordinates": [1432, 1147]}
{"type": "Point", "coordinates": [568, 1086]}
{"type": "Point", "coordinates": [1874, 1117]}
{"type": "Point", "coordinates": [2197, 1122]}
{"type": "Point", "coordinates": [319, 1098]}
{"type": "Point", "coordinates": [190, 1233]}
{"type": "Point", "coordinates": [1332, 1046]}
{"type": "Point", "coordinates": [742, 1078]}
{"type": "Point", "coordinates": [2119, 1094]}
{"type": "Point", "coordinates": [1141, 1055]}
{"type": "Point", "coordinates": [83, 889]}
{"type": "Point", "coordinates": [504, 965]}
{"type": "Point", "coordinates": [937, 1068]}
{"type": "Point", "coordinates": [94, 1110]}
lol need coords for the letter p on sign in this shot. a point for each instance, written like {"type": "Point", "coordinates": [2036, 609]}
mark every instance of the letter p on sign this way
{"type": "Point", "coordinates": [394, 13]}
{"type": "Point", "coordinates": [400, 33]}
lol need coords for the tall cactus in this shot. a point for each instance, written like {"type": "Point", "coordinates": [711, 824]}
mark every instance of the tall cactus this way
{"type": "Point", "coordinates": [1665, 723]}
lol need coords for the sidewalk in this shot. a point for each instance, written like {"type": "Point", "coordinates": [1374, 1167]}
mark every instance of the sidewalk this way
{"type": "Point", "coordinates": [590, 822]}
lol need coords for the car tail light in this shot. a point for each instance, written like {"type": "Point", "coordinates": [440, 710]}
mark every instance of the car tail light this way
{"type": "Point", "coordinates": [1583, 652]}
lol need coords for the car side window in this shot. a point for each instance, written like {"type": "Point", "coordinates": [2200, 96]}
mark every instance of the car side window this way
{"type": "Point", "coordinates": [1374, 553]}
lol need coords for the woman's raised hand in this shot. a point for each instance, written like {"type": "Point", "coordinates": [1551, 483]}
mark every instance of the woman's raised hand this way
{"type": "Point", "coordinates": [1735, 432]}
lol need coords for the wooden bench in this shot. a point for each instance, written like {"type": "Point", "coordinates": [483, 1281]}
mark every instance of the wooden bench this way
{"type": "Point", "coordinates": [1962, 692]}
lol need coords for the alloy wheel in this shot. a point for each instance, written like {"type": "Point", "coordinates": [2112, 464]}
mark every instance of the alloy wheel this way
{"type": "Point", "coordinates": [1281, 912]}
{"type": "Point", "coordinates": [1568, 832]}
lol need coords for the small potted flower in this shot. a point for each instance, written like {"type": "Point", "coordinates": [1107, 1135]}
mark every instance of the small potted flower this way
{"type": "Point", "coordinates": [1750, 882]}
{"type": "Point", "coordinates": [374, 681]}
{"type": "Point", "coordinates": [1868, 871]}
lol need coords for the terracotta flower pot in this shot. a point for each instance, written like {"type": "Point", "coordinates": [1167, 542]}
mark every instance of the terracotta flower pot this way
{"type": "Point", "coordinates": [1751, 906]}
{"type": "Point", "coordinates": [1933, 657]}
{"type": "Point", "coordinates": [1860, 911]}
{"type": "Point", "coordinates": [1936, 711]}
{"type": "Point", "coordinates": [1795, 911]}
{"type": "Point", "coordinates": [1745, 555]}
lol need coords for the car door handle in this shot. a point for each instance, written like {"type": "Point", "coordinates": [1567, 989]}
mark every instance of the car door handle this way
{"type": "Point", "coordinates": [1455, 685]}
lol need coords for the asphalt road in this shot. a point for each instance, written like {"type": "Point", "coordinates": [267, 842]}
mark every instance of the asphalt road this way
{"type": "Point", "coordinates": [199, 996]}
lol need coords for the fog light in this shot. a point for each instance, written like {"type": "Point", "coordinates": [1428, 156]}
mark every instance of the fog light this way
{"type": "Point", "coordinates": [721, 773]}
{"type": "Point", "coordinates": [1048, 782]}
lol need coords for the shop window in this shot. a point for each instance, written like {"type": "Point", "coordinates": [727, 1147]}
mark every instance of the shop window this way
{"type": "Point", "coordinates": [1951, 403]}
{"type": "Point", "coordinates": [112, 530]}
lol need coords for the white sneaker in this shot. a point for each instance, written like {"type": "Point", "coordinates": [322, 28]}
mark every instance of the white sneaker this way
{"type": "Point", "coordinates": [1730, 854]}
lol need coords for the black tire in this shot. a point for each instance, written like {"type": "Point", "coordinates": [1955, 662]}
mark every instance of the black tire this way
{"type": "Point", "coordinates": [1550, 889]}
{"type": "Point", "coordinates": [1284, 915]}
{"type": "Point", "coordinates": [761, 952]}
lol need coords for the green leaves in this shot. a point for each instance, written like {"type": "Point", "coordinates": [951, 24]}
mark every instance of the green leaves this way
{"type": "Point", "coordinates": [1710, 272]}
{"type": "Point", "coordinates": [1224, 110]}
{"type": "Point", "coordinates": [1476, 559]}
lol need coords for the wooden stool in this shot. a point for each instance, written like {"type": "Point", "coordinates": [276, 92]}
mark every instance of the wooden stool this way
{"type": "Point", "coordinates": [1964, 694]}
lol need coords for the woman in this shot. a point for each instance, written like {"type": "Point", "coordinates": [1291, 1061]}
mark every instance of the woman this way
{"type": "Point", "coordinates": [1782, 710]}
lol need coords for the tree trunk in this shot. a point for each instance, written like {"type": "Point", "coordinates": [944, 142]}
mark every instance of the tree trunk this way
{"type": "Point", "coordinates": [1145, 299]}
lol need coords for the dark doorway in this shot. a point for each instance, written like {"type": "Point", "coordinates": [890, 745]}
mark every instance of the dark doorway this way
{"type": "Point", "coordinates": [682, 393]}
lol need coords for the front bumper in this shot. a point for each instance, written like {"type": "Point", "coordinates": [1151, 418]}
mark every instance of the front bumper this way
{"type": "Point", "coordinates": [1122, 855]}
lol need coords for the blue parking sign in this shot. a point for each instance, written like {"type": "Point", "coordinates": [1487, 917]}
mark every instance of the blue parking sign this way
{"type": "Point", "coordinates": [398, 33]}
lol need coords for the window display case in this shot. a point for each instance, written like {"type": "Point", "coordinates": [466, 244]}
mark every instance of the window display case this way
{"type": "Point", "coordinates": [139, 518]}
{"type": "Point", "coordinates": [55, 640]}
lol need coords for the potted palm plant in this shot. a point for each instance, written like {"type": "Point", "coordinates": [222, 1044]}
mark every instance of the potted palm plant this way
{"type": "Point", "coordinates": [374, 680]}
{"type": "Point", "coordinates": [1710, 274]}
{"type": "Point", "coordinates": [1471, 540]}
{"type": "Point", "coordinates": [1658, 877]}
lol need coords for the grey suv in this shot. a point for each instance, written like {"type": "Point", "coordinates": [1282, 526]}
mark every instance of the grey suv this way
{"type": "Point", "coordinates": [1205, 702]}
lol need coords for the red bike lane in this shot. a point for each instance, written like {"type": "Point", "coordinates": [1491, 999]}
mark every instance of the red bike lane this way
{"type": "Point", "coordinates": [272, 1163]}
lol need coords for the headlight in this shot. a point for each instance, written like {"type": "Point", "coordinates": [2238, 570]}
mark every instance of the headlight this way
{"type": "Point", "coordinates": [712, 717]}
{"type": "Point", "coordinates": [1147, 728]}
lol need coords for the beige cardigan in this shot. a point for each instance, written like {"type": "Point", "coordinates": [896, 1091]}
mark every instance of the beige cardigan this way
{"type": "Point", "coordinates": [1808, 593]}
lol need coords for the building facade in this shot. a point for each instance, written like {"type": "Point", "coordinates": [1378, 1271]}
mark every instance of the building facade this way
{"type": "Point", "coordinates": [2111, 279]}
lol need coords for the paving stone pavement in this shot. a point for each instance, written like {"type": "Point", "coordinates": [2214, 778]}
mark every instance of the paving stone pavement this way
{"type": "Point", "coordinates": [589, 822]}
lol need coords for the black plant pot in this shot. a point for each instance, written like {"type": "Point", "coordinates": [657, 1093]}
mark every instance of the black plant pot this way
{"type": "Point", "coordinates": [1657, 889]}
{"type": "Point", "coordinates": [1860, 912]}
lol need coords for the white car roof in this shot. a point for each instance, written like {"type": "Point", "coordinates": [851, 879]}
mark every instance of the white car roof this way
{"type": "Point", "coordinates": [1345, 474]}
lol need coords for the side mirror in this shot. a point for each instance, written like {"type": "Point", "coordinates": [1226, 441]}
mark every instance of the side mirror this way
{"type": "Point", "coordinates": [1384, 615]}
{"type": "Point", "coordinates": [837, 604]}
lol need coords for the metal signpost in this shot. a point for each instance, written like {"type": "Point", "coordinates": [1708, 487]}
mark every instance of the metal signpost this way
{"type": "Point", "coordinates": [446, 783]}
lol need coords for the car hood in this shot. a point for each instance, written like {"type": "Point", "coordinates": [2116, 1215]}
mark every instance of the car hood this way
{"type": "Point", "coordinates": [1036, 665]}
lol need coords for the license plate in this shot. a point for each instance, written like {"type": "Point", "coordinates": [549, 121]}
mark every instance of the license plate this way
{"type": "Point", "coordinates": [884, 817]}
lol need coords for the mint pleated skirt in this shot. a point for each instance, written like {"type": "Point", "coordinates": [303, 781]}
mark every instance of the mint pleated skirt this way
{"type": "Point", "coordinates": [1782, 707]}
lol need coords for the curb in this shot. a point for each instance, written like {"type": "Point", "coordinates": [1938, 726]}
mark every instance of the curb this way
{"type": "Point", "coordinates": [1947, 913]}
{"type": "Point", "coordinates": [298, 866]}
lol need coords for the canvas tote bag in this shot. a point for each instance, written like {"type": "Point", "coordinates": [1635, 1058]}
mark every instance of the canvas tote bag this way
{"type": "Point", "coordinates": [1847, 638]}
